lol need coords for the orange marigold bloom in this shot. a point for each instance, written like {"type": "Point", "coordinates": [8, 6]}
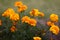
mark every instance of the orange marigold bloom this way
{"type": "Point", "coordinates": [8, 12]}
{"type": "Point", "coordinates": [54, 17]}
{"type": "Point", "coordinates": [32, 22]}
{"type": "Point", "coordinates": [0, 22]}
{"type": "Point", "coordinates": [15, 17]}
{"type": "Point", "coordinates": [37, 38]}
{"type": "Point", "coordinates": [13, 29]}
{"type": "Point", "coordinates": [34, 12]}
{"type": "Point", "coordinates": [22, 8]}
{"type": "Point", "coordinates": [54, 29]}
{"type": "Point", "coordinates": [26, 19]}
{"type": "Point", "coordinates": [18, 3]}
{"type": "Point", "coordinates": [49, 23]}
{"type": "Point", "coordinates": [41, 14]}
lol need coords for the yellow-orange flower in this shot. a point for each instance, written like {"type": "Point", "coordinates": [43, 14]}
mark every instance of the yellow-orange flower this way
{"type": "Point", "coordinates": [32, 22]}
{"type": "Point", "coordinates": [34, 12]}
{"type": "Point", "coordinates": [13, 29]}
{"type": "Point", "coordinates": [0, 22]}
{"type": "Point", "coordinates": [37, 38]}
{"type": "Point", "coordinates": [49, 23]}
{"type": "Point", "coordinates": [22, 8]}
{"type": "Point", "coordinates": [28, 20]}
{"type": "Point", "coordinates": [18, 3]}
{"type": "Point", "coordinates": [54, 17]}
{"type": "Point", "coordinates": [8, 12]}
{"type": "Point", "coordinates": [14, 17]}
{"type": "Point", "coordinates": [25, 19]}
{"type": "Point", "coordinates": [54, 29]}
{"type": "Point", "coordinates": [41, 14]}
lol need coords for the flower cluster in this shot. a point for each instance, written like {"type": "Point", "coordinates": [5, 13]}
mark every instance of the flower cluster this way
{"type": "Point", "coordinates": [53, 27]}
{"type": "Point", "coordinates": [11, 14]}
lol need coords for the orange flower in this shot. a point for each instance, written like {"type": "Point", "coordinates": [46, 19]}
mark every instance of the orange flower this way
{"type": "Point", "coordinates": [34, 12]}
{"type": "Point", "coordinates": [36, 38]}
{"type": "Point", "coordinates": [54, 17]}
{"type": "Point", "coordinates": [8, 12]}
{"type": "Point", "coordinates": [32, 22]}
{"type": "Point", "coordinates": [0, 22]}
{"type": "Point", "coordinates": [13, 29]}
{"type": "Point", "coordinates": [18, 3]}
{"type": "Point", "coordinates": [41, 14]}
{"type": "Point", "coordinates": [22, 8]}
{"type": "Point", "coordinates": [26, 19]}
{"type": "Point", "coordinates": [54, 29]}
{"type": "Point", "coordinates": [14, 17]}
{"type": "Point", "coordinates": [49, 23]}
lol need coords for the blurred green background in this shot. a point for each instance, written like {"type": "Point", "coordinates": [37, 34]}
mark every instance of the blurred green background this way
{"type": "Point", "coordinates": [46, 6]}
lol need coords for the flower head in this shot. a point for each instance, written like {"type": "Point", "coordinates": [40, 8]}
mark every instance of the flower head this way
{"type": "Point", "coordinates": [37, 38]}
{"type": "Point", "coordinates": [32, 22]}
{"type": "Point", "coordinates": [41, 14]}
{"type": "Point", "coordinates": [34, 12]}
{"type": "Point", "coordinates": [25, 19]}
{"type": "Point", "coordinates": [22, 8]}
{"type": "Point", "coordinates": [28, 20]}
{"type": "Point", "coordinates": [54, 17]}
{"type": "Point", "coordinates": [13, 29]}
{"type": "Point", "coordinates": [15, 17]}
{"type": "Point", "coordinates": [54, 29]}
{"type": "Point", "coordinates": [8, 12]}
{"type": "Point", "coordinates": [49, 23]}
{"type": "Point", "coordinates": [18, 3]}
